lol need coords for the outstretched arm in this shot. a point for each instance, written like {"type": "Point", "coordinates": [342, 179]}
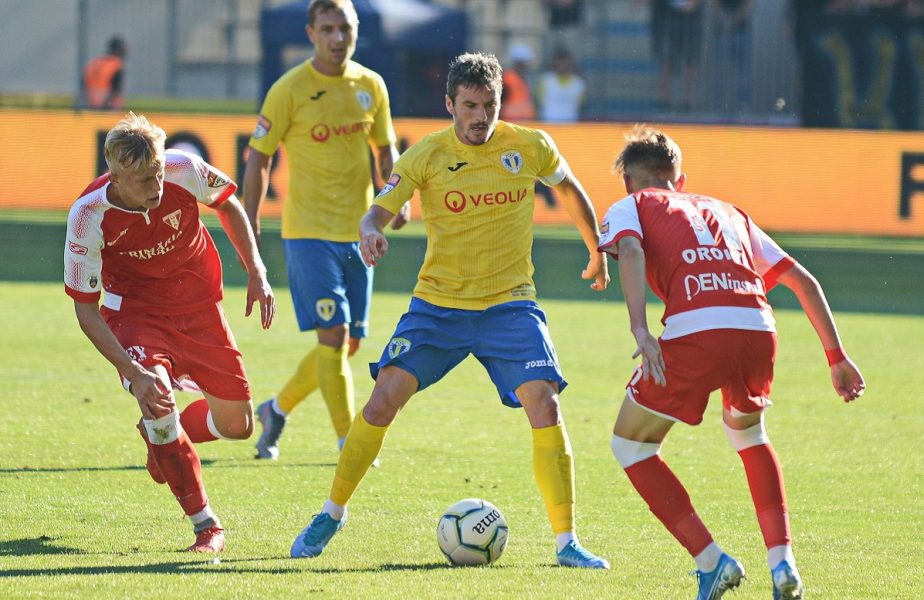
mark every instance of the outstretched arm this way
{"type": "Point", "coordinates": [235, 224]}
{"type": "Point", "coordinates": [581, 211]}
{"type": "Point", "coordinates": [372, 242]}
{"type": "Point", "coordinates": [845, 376]}
{"type": "Point", "coordinates": [635, 290]}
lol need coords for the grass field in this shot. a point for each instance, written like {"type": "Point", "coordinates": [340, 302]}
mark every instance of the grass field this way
{"type": "Point", "coordinates": [79, 515]}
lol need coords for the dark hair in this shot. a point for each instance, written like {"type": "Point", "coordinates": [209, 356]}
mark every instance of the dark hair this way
{"type": "Point", "coordinates": [475, 70]}
{"type": "Point", "coordinates": [321, 6]}
{"type": "Point", "coordinates": [116, 45]}
{"type": "Point", "coordinates": [650, 150]}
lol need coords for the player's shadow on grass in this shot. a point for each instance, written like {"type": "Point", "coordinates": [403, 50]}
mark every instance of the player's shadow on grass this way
{"type": "Point", "coordinates": [33, 546]}
{"type": "Point", "coordinates": [26, 469]}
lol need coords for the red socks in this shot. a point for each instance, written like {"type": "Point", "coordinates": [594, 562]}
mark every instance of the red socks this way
{"type": "Point", "coordinates": [179, 463]}
{"type": "Point", "coordinates": [765, 479]}
{"type": "Point", "coordinates": [670, 503]}
{"type": "Point", "coordinates": [195, 422]}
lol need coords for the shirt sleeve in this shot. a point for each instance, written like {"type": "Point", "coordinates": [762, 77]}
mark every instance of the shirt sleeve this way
{"type": "Point", "coordinates": [383, 131]}
{"type": "Point", "coordinates": [619, 221]}
{"type": "Point", "coordinates": [273, 121]}
{"type": "Point", "coordinates": [399, 188]}
{"type": "Point", "coordinates": [770, 260]}
{"type": "Point", "coordinates": [83, 262]}
{"type": "Point", "coordinates": [208, 184]}
{"type": "Point", "coordinates": [554, 168]}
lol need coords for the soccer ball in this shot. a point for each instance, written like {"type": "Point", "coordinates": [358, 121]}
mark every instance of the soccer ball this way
{"type": "Point", "coordinates": [472, 532]}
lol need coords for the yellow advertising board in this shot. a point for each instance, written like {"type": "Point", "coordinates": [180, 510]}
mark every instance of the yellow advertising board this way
{"type": "Point", "coordinates": [798, 180]}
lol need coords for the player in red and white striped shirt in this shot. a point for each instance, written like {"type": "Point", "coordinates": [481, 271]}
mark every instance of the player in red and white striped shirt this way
{"type": "Point", "coordinates": [711, 266]}
{"type": "Point", "coordinates": [134, 237]}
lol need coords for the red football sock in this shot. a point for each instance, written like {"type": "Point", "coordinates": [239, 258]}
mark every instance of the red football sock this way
{"type": "Point", "coordinates": [179, 463]}
{"type": "Point", "coordinates": [765, 478]}
{"type": "Point", "coordinates": [195, 422]}
{"type": "Point", "coordinates": [669, 501]}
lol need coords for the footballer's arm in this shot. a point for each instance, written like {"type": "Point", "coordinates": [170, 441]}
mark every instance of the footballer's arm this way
{"type": "Point", "coordinates": [144, 384]}
{"type": "Point", "coordinates": [256, 184]}
{"type": "Point", "coordinates": [234, 222]}
{"type": "Point", "coordinates": [372, 242]}
{"type": "Point", "coordinates": [581, 211]}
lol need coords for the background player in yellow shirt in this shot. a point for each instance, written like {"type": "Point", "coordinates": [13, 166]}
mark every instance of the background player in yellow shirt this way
{"type": "Point", "coordinates": [325, 112]}
{"type": "Point", "coordinates": [475, 293]}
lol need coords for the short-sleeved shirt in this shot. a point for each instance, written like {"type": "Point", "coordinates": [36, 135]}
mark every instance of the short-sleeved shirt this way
{"type": "Point", "coordinates": [477, 204]}
{"type": "Point", "coordinates": [159, 261]}
{"type": "Point", "coordinates": [325, 123]}
{"type": "Point", "coordinates": [705, 259]}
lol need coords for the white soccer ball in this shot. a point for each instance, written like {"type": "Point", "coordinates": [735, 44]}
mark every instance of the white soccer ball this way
{"type": "Point", "coordinates": [472, 532]}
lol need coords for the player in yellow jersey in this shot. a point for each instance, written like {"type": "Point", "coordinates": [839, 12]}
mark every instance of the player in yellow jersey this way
{"type": "Point", "coordinates": [325, 112]}
{"type": "Point", "coordinates": [475, 293]}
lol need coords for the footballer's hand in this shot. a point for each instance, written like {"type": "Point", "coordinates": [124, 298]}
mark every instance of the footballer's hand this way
{"type": "Point", "coordinates": [372, 247]}
{"type": "Point", "coordinates": [404, 215]}
{"type": "Point", "coordinates": [652, 359]}
{"type": "Point", "coordinates": [154, 397]}
{"type": "Point", "coordinates": [597, 270]}
{"type": "Point", "coordinates": [259, 290]}
{"type": "Point", "coordinates": [847, 380]}
{"type": "Point", "coordinates": [353, 346]}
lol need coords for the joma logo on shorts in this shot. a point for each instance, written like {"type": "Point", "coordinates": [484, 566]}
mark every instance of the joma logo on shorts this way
{"type": "Point", "coordinates": [535, 364]}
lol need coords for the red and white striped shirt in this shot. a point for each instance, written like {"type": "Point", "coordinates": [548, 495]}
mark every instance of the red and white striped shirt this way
{"type": "Point", "coordinates": [705, 259]}
{"type": "Point", "coordinates": [160, 261]}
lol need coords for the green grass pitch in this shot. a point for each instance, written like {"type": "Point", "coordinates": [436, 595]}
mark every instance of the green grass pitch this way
{"type": "Point", "coordinates": [79, 516]}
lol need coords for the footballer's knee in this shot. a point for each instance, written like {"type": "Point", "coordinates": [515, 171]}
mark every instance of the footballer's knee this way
{"type": "Point", "coordinates": [237, 428]}
{"type": "Point", "coordinates": [335, 337]}
{"type": "Point", "coordinates": [540, 401]}
{"type": "Point", "coordinates": [746, 433]}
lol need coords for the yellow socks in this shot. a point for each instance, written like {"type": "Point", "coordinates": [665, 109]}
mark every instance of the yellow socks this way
{"type": "Point", "coordinates": [554, 468]}
{"type": "Point", "coordinates": [336, 382]}
{"type": "Point", "coordinates": [326, 368]}
{"type": "Point", "coordinates": [362, 445]}
{"type": "Point", "coordinates": [301, 384]}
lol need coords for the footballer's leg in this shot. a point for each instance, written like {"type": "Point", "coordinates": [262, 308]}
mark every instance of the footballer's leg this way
{"type": "Point", "coordinates": [637, 438]}
{"type": "Point", "coordinates": [180, 467]}
{"type": "Point", "coordinates": [273, 414]}
{"type": "Point", "coordinates": [553, 466]}
{"type": "Point", "coordinates": [393, 388]}
{"type": "Point", "coordinates": [765, 480]}
{"type": "Point", "coordinates": [335, 378]}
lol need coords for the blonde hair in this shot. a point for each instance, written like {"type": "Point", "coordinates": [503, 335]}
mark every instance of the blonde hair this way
{"type": "Point", "coordinates": [134, 143]}
{"type": "Point", "coordinates": [649, 151]}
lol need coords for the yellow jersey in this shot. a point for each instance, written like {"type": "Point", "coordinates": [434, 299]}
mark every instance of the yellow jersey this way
{"type": "Point", "coordinates": [325, 124]}
{"type": "Point", "coordinates": [477, 205]}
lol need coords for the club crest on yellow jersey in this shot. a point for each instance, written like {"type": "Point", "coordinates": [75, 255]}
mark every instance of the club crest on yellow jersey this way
{"type": "Point", "coordinates": [512, 161]}
{"type": "Point", "coordinates": [364, 98]}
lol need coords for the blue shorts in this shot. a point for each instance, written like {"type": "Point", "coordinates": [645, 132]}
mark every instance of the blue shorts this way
{"type": "Point", "coordinates": [511, 340]}
{"type": "Point", "coordinates": [330, 284]}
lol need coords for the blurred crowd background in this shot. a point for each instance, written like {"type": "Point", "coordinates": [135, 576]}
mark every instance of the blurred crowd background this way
{"type": "Point", "coordinates": [825, 63]}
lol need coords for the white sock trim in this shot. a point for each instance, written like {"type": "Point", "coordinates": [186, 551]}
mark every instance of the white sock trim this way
{"type": "Point", "coordinates": [278, 409]}
{"type": "Point", "coordinates": [562, 539]}
{"type": "Point", "coordinates": [708, 559]}
{"type": "Point", "coordinates": [742, 439]}
{"type": "Point", "coordinates": [204, 515]}
{"type": "Point", "coordinates": [210, 423]}
{"type": "Point", "coordinates": [778, 554]}
{"type": "Point", "coordinates": [163, 430]}
{"type": "Point", "coordinates": [336, 511]}
{"type": "Point", "coordinates": [629, 452]}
